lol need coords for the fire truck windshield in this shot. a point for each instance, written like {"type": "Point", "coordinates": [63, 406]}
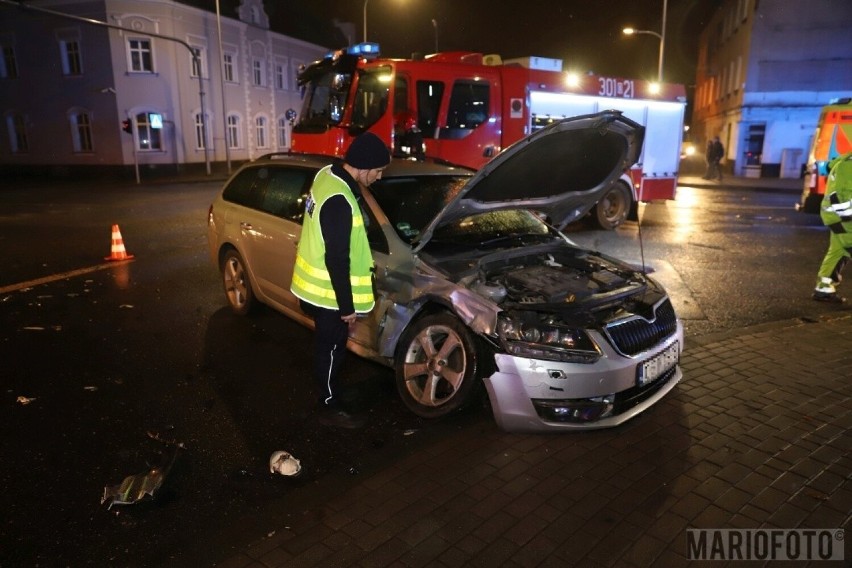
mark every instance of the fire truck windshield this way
{"type": "Point", "coordinates": [371, 97]}
{"type": "Point", "coordinates": [327, 96]}
{"type": "Point", "coordinates": [324, 102]}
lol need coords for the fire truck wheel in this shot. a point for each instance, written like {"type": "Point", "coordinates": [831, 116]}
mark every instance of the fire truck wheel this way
{"type": "Point", "coordinates": [612, 209]}
{"type": "Point", "coordinates": [436, 367]}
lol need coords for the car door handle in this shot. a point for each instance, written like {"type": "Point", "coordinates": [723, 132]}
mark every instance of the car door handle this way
{"type": "Point", "coordinates": [488, 152]}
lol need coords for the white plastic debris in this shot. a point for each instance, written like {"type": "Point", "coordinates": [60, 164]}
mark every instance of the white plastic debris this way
{"type": "Point", "coordinates": [284, 463]}
{"type": "Point", "coordinates": [25, 400]}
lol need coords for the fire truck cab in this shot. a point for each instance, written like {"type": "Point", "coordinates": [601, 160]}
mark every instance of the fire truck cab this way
{"type": "Point", "coordinates": [465, 107]}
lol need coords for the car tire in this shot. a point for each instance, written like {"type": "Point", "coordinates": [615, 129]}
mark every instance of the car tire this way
{"type": "Point", "coordinates": [237, 284]}
{"type": "Point", "coordinates": [613, 208]}
{"type": "Point", "coordinates": [436, 366]}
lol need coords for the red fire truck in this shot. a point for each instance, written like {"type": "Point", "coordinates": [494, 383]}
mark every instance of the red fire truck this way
{"type": "Point", "coordinates": [464, 107]}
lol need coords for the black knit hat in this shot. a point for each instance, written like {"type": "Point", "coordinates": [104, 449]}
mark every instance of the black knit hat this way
{"type": "Point", "coordinates": [367, 152]}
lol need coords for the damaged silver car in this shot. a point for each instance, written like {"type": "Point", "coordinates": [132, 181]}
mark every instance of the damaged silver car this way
{"type": "Point", "coordinates": [474, 282]}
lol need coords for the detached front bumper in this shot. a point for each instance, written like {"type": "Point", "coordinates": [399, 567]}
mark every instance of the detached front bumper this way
{"type": "Point", "coordinates": [532, 395]}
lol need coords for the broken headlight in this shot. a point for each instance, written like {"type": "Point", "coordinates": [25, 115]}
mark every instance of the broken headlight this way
{"type": "Point", "coordinates": [540, 340]}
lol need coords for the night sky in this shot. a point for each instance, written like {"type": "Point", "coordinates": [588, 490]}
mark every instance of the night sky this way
{"type": "Point", "coordinates": [585, 34]}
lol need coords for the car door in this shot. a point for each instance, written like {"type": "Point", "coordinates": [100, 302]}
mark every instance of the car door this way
{"type": "Point", "coordinates": [277, 230]}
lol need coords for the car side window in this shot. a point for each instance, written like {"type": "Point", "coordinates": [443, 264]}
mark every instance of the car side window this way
{"type": "Point", "coordinates": [283, 196]}
{"type": "Point", "coordinates": [247, 187]}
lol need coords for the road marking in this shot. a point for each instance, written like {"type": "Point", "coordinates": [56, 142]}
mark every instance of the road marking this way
{"type": "Point", "coordinates": [60, 276]}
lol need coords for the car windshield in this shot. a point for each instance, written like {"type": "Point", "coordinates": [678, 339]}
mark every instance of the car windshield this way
{"type": "Point", "coordinates": [412, 202]}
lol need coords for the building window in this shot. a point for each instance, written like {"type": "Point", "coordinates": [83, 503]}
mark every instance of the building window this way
{"type": "Point", "coordinates": [17, 133]}
{"type": "Point", "coordinates": [233, 131]}
{"type": "Point", "coordinates": [282, 132]}
{"type": "Point", "coordinates": [198, 62]}
{"type": "Point", "coordinates": [140, 57]}
{"type": "Point", "coordinates": [149, 127]}
{"type": "Point", "coordinates": [200, 130]}
{"type": "Point", "coordinates": [229, 67]}
{"type": "Point", "coordinates": [81, 132]}
{"type": "Point", "coordinates": [72, 62]}
{"type": "Point", "coordinates": [8, 63]}
{"type": "Point", "coordinates": [260, 132]}
{"type": "Point", "coordinates": [280, 77]}
{"type": "Point", "coordinates": [258, 72]}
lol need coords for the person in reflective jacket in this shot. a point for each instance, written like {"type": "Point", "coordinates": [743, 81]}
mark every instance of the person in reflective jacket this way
{"type": "Point", "coordinates": [332, 276]}
{"type": "Point", "coordinates": [836, 214]}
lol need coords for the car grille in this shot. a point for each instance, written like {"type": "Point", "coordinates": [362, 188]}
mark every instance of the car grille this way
{"type": "Point", "coordinates": [635, 335]}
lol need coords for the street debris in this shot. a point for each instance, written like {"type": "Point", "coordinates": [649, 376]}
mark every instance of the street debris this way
{"type": "Point", "coordinates": [285, 464]}
{"type": "Point", "coordinates": [25, 400]}
{"type": "Point", "coordinates": [90, 388]}
{"type": "Point", "coordinates": [135, 488]}
{"type": "Point", "coordinates": [169, 442]}
{"type": "Point", "coordinates": [127, 306]}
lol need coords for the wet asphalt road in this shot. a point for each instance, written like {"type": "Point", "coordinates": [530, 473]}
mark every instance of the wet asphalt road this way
{"type": "Point", "coordinates": [110, 360]}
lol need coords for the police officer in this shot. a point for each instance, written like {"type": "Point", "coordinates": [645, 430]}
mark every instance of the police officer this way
{"type": "Point", "coordinates": [836, 213]}
{"type": "Point", "coordinates": [333, 273]}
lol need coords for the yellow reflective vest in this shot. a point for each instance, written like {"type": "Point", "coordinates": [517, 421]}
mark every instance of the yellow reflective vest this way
{"type": "Point", "coordinates": [311, 281]}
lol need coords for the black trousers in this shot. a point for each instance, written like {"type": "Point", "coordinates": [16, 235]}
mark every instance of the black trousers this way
{"type": "Point", "coordinates": [329, 352]}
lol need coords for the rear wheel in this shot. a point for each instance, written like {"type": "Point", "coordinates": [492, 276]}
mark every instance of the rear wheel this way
{"type": "Point", "coordinates": [436, 369]}
{"type": "Point", "coordinates": [612, 209]}
{"type": "Point", "coordinates": [235, 280]}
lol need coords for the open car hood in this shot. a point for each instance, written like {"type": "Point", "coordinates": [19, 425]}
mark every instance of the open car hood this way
{"type": "Point", "coordinates": [562, 171]}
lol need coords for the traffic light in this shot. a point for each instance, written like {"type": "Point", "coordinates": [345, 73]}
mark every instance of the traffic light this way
{"type": "Point", "coordinates": [127, 126]}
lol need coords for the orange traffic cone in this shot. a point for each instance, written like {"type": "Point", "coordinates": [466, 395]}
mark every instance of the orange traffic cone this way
{"type": "Point", "coordinates": [117, 251]}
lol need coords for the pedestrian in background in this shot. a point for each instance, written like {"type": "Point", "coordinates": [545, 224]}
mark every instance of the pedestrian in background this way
{"type": "Point", "coordinates": [333, 273]}
{"type": "Point", "coordinates": [713, 156]}
{"type": "Point", "coordinates": [708, 160]}
{"type": "Point", "coordinates": [836, 214]}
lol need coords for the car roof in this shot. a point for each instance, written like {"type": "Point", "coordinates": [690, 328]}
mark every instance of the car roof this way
{"type": "Point", "coordinates": [399, 167]}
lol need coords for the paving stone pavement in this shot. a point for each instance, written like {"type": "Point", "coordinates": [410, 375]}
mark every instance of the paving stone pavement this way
{"type": "Point", "coordinates": [757, 435]}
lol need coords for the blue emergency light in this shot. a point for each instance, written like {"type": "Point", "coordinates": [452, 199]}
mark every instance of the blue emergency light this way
{"type": "Point", "coordinates": [365, 49]}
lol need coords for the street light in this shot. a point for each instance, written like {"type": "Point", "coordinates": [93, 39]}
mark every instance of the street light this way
{"type": "Point", "coordinates": [660, 36]}
{"type": "Point", "coordinates": [365, 20]}
{"type": "Point", "coordinates": [435, 25]}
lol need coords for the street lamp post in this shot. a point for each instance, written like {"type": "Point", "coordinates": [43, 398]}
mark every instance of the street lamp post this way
{"type": "Point", "coordinates": [222, 87]}
{"type": "Point", "coordinates": [435, 25]}
{"type": "Point", "coordinates": [660, 36]}
{"type": "Point", "coordinates": [365, 20]}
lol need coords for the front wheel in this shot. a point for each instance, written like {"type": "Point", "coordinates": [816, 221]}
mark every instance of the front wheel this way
{"type": "Point", "coordinates": [437, 366]}
{"type": "Point", "coordinates": [612, 209]}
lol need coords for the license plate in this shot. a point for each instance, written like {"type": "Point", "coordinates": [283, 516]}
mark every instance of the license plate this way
{"type": "Point", "coordinates": [655, 367]}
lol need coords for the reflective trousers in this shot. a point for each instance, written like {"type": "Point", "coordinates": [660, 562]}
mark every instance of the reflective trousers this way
{"type": "Point", "coordinates": [836, 257]}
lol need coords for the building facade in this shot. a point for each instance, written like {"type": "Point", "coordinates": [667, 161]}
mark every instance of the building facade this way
{"type": "Point", "coordinates": [765, 69]}
{"type": "Point", "coordinates": [155, 89]}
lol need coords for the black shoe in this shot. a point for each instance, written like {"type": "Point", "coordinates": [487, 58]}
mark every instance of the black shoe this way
{"type": "Point", "coordinates": [341, 419]}
{"type": "Point", "coordinates": [830, 297]}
